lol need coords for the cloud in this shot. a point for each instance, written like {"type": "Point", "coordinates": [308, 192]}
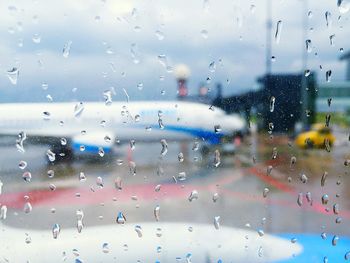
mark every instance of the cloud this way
{"type": "Point", "coordinates": [103, 32]}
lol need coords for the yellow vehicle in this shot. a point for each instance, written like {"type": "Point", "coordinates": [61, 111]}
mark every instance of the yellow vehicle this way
{"type": "Point", "coordinates": [316, 137]}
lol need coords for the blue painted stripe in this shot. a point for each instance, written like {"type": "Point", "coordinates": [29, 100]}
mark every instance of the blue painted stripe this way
{"type": "Point", "coordinates": [89, 148]}
{"type": "Point", "coordinates": [315, 249]}
{"type": "Point", "coordinates": [209, 136]}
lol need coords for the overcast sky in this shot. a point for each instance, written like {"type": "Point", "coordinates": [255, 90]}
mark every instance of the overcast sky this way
{"type": "Point", "coordinates": [117, 44]}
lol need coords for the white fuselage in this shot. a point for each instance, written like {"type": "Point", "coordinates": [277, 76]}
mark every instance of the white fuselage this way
{"type": "Point", "coordinates": [142, 121]}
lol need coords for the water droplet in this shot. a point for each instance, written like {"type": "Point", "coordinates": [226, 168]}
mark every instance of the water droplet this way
{"type": "Point", "coordinates": [204, 33]}
{"type": "Point", "coordinates": [303, 178]}
{"type": "Point", "coordinates": [328, 75]}
{"type": "Point", "coordinates": [307, 72]}
{"type": "Point", "coordinates": [105, 248]}
{"type": "Point", "coordinates": [217, 222]}
{"type": "Point", "coordinates": [343, 6]}
{"type": "Point", "coordinates": [324, 178]}
{"type": "Point", "coordinates": [121, 218]}
{"type": "Point", "coordinates": [80, 225]}
{"type": "Point", "coordinates": [56, 230]}
{"type": "Point", "coordinates": [308, 197]}
{"type": "Point", "coordinates": [107, 95]}
{"type": "Point", "coordinates": [27, 208]}
{"type": "Point", "coordinates": [336, 209]}
{"type": "Point", "coordinates": [134, 53]}
{"type": "Point", "coordinates": [78, 109]}
{"type": "Point", "coordinates": [217, 129]}
{"type": "Point", "coordinates": [164, 149]}
{"type": "Point", "coordinates": [331, 39]}
{"type": "Point", "coordinates": [181, 176]}
{"type": "Point", "coordinates": [156, 213]}
{"type": "Point", "coordinates": [261, 232]}
{"type": "Point", "coordinates": [101, 152]}
{"type": "Point", "coordinates": [82, 177]}
{"type": "Point", "coordinates": [46, 115]}
{"type": "Point", "coordinates": [293, 160]}
{"type": "Point", "coordinates": [265, 192]}
{"type": "Point", "coordinates": [22, 165]}
{"type": "Point", "coordinates": [329, 102]}
{"type": "Point", "coordinates": [300, 199]}
{"type": "Point", "coordinates": [12, 75]}
{"type": "Point", "coordinates": [272, 103]}
{"type": "Point", "coordinates": [22, 136]}
{"type": "Point", "coordinates": [180, 157]}
{"type": "Point", "coordinates": [160, 124]}
{"type": "Point", "coordinates": [52, 187]}
{"type": "Point", "coordinates": [99, 181]}
{"type": "Point", "coordinates": [193, 196]}
{"type": "Point", "coordinates": [195, 146]}
{"type": "Point", "coordinates": [335, 240]}
{"type": "Point", "coordinates": [27, 176]}
{"type": "Point", "coordinates": [217, 159]}
{"type": "Point", "coordinates": [278, 32]}
{"type": "Point", "coordinates": [36, 38]}
{"type": "Point", "coordinates": [325, 199]}
{"type": "Point", "coordinates": [157, 188]}
{"type": "Point", "coordinates": [51, 155]}
{"type": "Point", "coordinates": [3, 212]}
{"type": "Point", "coordinates": [347, 255]}
{"type": "Point", "coordinates": [50, 173]}
{"type": "Point", "coordinates": [138, 230]}
{"type": "Point", "coordinates": [308, 46]}
{"type": "Point", "coordinates": [159, 35]}
{"type": "Point", "coordinates": [66, 49]}
{"type": "Point", "coordinates": [328, 17]}
{"type": "Point", "coordinates": [328, 119]}
{"type": "Point", "coordinates": [212, 66]}
{"type": "Point", "coordinates": [269, 170]}
{"type": "Point", "coordinates": [252, 9]}
{"type": "Point", "coordinates": [323, 235]}
{"type": "Point", "coordinates": [118, 183]}
{"type": "Point", "coordinates": [132, 168]}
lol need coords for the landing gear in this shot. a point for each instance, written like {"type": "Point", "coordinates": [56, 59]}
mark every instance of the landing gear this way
{"type": "Point", "coordinates": [60, 153]}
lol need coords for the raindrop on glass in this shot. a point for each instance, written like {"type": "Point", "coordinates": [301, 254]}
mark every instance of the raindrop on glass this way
{"type": "Point", "coordinates": [265, 192]}
{"type": "Point", "coordinates": [66, 49]}
{"type": "Point", "coordinates": [159, 35]}
{"type": "Point", "coordinates": [156, 213]}
{"type": "Point", "coordinates": [325, 199]}
{"type": "Point", "coordinates": [308, 46]}
{"type": "Point", "coordinates": [217, 222]}
{"type": "Point", "coordinates": [328, 75]}
{"type": "Point", "coordinates": [331, 39]}
{"type": "Point", "coordinates": [121, 218]}
{"type": "Point", "coordinates": [212, 66]}
{"type": "Point", "coordinates": [22, 165]}
{"type": "Point", "coordinates": [300, 199]}
{"type": "Point", "coordinates": [164, 149]}
{"type": "Point", "coordinates": [51, 155]}
{"type": "Point", "coordinates": [278, 32]}
{"type": "Point", "coordinates": [193, 196]}
{"type": "Point", "coordinates": [328, 17]}
{"type": "Point", "coordinates": [204, 33]}
{"type": "Point", "coordinates": [138, 230]}
{"type": "Point", "coordinates": [217, 159]}
{"type": "Point", "coordinates": [56, 230]}
{"type": "Point", "coordinates": [36, 38]}
{"type": "Point", "coordinates": [78, 109]}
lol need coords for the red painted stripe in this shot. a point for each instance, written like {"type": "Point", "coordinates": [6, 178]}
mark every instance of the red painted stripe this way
{"type": "Point", "coordinates": [271, 181]}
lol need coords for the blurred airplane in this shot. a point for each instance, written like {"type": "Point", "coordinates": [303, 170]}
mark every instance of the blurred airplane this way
{"type": "Point", "coordinates": [93, 127]}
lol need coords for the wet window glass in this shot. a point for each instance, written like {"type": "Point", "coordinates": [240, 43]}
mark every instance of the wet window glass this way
{"type": "Point", "coordinates": [174, 131]}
